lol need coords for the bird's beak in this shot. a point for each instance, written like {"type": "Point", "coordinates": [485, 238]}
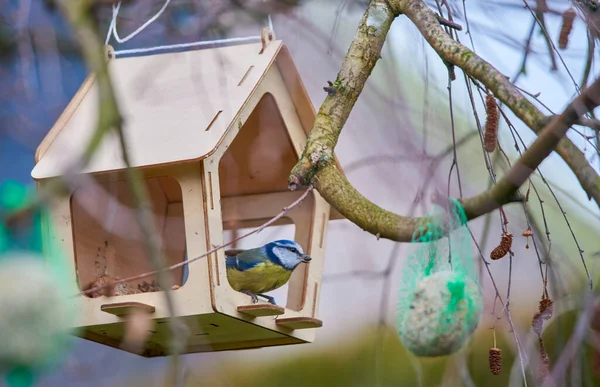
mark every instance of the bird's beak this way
{"type": "Point", "coordinates": [306, 258]}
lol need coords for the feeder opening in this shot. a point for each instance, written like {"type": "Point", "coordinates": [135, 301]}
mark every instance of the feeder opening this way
{"type": "Point", "coordinates": [108, 242]}
{"type": "Point", "coordinates": [282, 229]}
{"type": "Point", "coordinates": [253, 175]}
{"type": "Point", "coordinates": [262, 155]}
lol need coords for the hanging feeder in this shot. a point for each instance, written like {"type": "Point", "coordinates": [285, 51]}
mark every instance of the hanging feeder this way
{"type": "Point", "coordinates": [215, 134]}
{"type": "Point", "coordinates": [440, 299]}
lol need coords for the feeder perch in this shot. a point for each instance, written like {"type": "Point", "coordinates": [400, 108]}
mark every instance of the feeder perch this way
{"type": "Point", "coordinates": [215, 134]}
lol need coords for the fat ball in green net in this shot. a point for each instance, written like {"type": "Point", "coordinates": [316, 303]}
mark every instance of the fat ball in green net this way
{"type": "Point", "coordinates": [37, 303]}
{"type": "Point", "coordinates": [440, 299]}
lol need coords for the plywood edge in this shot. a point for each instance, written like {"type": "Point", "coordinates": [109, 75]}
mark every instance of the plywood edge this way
{"type": "Point", "coordinates": [299, 322]}
{"type": "Point", "coordinates": [64, 118]}
{"type": "Point", "coordinates": [259, 310]}
{"type": "Point", "coordinates": [249, 344]}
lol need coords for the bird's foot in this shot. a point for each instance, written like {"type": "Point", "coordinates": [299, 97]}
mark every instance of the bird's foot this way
{"type": "Point", "coordinates": [254, 298]}
{"type": "Point", "coordinates": [269, 298]}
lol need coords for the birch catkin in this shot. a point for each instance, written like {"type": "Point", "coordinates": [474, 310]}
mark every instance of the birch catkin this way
{"type": "Point", "coordinates": [502, 249]}
{"type": "Point", "coordinates": [567, 26]}
{"type": "Point", "coordinates": [490, 136]}
{"type": "Point", "coordinates": [495, 360]}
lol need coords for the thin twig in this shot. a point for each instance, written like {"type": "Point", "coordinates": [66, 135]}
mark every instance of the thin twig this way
{"type": "Point", "coordinates": [551, 44]}
{"type": "Point", "coordinates": [527, 51]}
{"type": "Point", "coordinates": [449, 23]}
{"type": "Point", "coordinates": [539, 17]}
{"type": "Point", "coordinates": [588, 60]}
{"type": "Point", "coordinates": [152, 241]}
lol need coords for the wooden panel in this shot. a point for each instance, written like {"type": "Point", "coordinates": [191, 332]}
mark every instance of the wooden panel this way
{"type": "Point", "coordinates": [268, 205]}
{"type": "Point", "coordinates": [255, 209]}
{"type": "Point", "coordinates": [254, 223]}
{"type": "Point", "coordinates": [295, 87]}
{"type": "Point", "coordinates": [335, 215]}
{"type": "Point", "coordinates": [174, 236]}
{"type": "Point", "coordinates": [208, 332]}
{"type": "Point", "coordinates": [168, 100]}
{"type": "Point", "coordinates": [57, 233]}
{"type": "Point", "coordinates": [298, 281]}
{"type": "Point", "coordinates": [64, 117]}
{"type": "Point", "coordinates": [262, 155]}
{"type": "Point", "coordinates": [170, 188]}
{"type": "Point", "coordinates": [106, 235]}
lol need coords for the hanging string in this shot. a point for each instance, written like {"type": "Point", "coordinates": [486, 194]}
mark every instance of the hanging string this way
{"type": "Point", "coordinates": [183, 45]}
{"type": "Point", "coordinates": [112, 30]}
{"type": "Point", "coordinates": [113, 23]}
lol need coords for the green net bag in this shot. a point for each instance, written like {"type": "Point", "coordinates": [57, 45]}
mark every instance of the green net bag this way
{"type": "Point", "coordinates": [440, 299]}
{"type": "Point", "coordinates": [37, 303]}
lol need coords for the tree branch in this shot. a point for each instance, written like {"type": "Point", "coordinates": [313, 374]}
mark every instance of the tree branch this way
{"type": "Point", "coordinates": [316, 164]}
{"type": "Point", "coordinates": [360, 60]}
{"type": "Point", "coordinates": [336, 189]}
{"type": "Point", "coordinates": [454, 52]}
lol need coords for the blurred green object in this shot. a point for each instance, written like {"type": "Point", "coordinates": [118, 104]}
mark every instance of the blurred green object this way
{"type": "Point", "coordinates": [26, 235]}
{"type": "Point", "coordinates": [440, 299]}
{"type": "Point", "coordinates": [38, 309]}
{"type": "Point", "coordinates": [13, 195]}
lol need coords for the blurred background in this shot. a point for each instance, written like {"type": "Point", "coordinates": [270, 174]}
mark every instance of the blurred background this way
{"type": "Point", "coordinates": [396, 149]}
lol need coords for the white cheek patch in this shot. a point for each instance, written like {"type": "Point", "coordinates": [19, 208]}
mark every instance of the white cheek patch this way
{"type": "Point", "coordinates": [287, 258]}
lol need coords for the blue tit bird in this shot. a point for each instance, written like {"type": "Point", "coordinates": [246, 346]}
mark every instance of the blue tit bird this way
{"type": "Point", "coordinates": [263, 269]}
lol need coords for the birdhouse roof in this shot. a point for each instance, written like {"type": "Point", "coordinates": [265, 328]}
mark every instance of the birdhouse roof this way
{"type": "Point", "coordinates": [175, 107]}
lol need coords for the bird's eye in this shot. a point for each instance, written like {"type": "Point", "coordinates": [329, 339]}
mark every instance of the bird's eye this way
{"type": "Point", "coordinates": [293, 250]}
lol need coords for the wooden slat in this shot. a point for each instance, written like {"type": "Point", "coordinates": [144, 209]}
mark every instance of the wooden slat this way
{"type": "Point", "coordinates": [125, 308]}
{"type": "Point", "coordinates": [299, 322]}
{"type": "Point", "coordinates": [258, 310]}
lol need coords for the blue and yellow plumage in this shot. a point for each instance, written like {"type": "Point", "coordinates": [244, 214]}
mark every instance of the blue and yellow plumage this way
{"type": "Point", "coordinates": [263, 269]}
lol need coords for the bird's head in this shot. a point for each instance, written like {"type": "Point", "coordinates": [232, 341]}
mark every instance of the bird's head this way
{"type": "Point", "coordinates": [286, 253]}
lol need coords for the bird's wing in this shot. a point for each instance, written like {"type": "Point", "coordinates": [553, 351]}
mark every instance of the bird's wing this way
{"type": "Point", "coordinates": [246, 259]}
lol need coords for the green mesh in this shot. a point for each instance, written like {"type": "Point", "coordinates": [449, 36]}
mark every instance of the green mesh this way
{"type": "Point", "coordinates": [440, 300]}
{"type": "Point", "coordinates": [36, 326]}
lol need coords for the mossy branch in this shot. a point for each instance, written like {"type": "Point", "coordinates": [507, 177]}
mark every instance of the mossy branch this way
{"type": "Point", "coordinates": [360, 60]}
{"type": "Point", "coordinates": [336, 189]}
{"type": "Point", "coordinates": [316, 164]}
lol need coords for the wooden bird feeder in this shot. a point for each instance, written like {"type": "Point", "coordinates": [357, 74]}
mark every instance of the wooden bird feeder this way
{"type": "Point", "coordinates": [215, 134]}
